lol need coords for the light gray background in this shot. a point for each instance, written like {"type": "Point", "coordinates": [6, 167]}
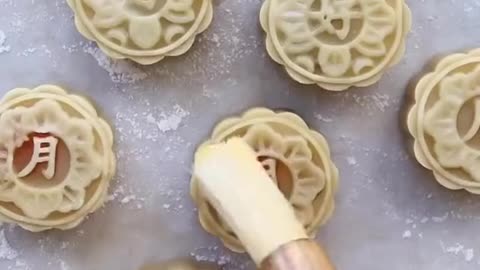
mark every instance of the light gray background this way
{"type": "Point", "coordinates": [391, 214]}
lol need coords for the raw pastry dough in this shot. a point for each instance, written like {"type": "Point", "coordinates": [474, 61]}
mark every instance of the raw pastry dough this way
{"type": "Point", "coordinates": [144, 31]}
{"type": "Point", "coordinates": [336, 44]}
{"type": "Point", "coordinates": [295, 157]}
{"type": "Point", "coordinates": [56, 158]}
{"type": "Point", "coordinates": [445, 122]}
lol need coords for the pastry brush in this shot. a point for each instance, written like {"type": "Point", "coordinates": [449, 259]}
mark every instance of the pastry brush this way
{"type": "Point", "coordinates": [238, 187]}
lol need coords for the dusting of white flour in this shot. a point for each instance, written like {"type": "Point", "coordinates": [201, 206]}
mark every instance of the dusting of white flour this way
{"type": "Point", "coordinates": [376, 102]}
{"type": "Point", "coordinates": [441, 219]}
{"type": "Point", "coordinates": [213, 58]}
{"type": "Point", "coordinates": [6, 251]}
{"type": "Point", "coordinates": [120, 71]}
{"type": "Point", "coordinates": [352, 161]}
{"type": "Point", "coordinates": [323, 118]}
{"type": "Point", "coordinates": [407, 234]}
{"type": "Point", "coordinates": [169, 122]}
{"type": "Point", "coordinates": [214, 254]}
{"type": "Point", "coordinates": [459, 250]}
{"type": "Point", "coordinates": [3, 43]}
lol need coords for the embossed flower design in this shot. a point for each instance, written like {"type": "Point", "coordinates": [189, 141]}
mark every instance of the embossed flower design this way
{"type": "Point", "coordinates": [144, 31]}
{"type": "Point", "coordinates": [301, 26]}
{"type": "Point", "coordinates": [144, 28]}
{"type": "Point", "coordinates": [307, 178]}
{"type": "Point", "coordinates": [295, 157]}
{"type": "Point", "coordinates": [442, 123]}
{"type": "Point", "coordinates": [47, 116]}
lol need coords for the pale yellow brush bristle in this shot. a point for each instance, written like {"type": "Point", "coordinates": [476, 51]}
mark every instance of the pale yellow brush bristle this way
{"type": "Point", "coordinates": [236, 184]}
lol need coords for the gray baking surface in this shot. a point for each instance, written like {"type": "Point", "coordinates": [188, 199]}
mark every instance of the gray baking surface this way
{"type": "Point", "coordinates": [391, 214]}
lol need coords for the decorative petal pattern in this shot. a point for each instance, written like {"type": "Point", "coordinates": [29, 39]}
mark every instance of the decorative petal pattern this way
{"type": "Point", "coordinates": [89, 158]}
{"type": "Point", "coordinates": [445, 122]}
{"type": "Point", "coordinates": [286, 148]}
{"type": "Point", "coordinates": [3, 162]}
{"type": "Point", "coordinates": [144, 31]}
{"type": "Point", "coordinates": [441, 122]}
{"type": "Point", "coordinates": [147, 4]}
{"type": "Point", "coordinates": [335, 61]}
{"type": "Point", "coordinates": [336, 44]}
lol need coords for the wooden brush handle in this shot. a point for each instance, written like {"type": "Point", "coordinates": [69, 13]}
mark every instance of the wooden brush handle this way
{"type": "Point", "coordinates": [298, 255]}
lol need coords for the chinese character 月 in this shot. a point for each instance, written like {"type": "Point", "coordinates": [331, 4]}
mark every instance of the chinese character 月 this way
{"type": "Point", "coordinates": [44, 150]}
